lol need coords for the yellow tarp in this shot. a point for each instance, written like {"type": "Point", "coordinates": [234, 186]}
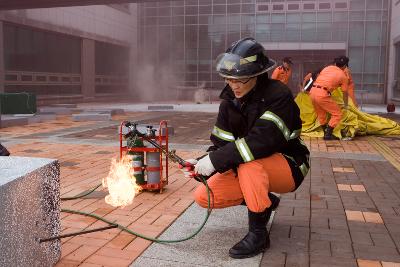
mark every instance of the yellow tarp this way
{"type": "Point", "coordinates": [354, 122]}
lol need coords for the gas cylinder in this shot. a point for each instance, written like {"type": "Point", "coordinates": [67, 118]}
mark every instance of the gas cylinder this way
{"type": "Point", "coordinates": [137, 159]}
{"type": "Point", "coordinates": [152, 161]}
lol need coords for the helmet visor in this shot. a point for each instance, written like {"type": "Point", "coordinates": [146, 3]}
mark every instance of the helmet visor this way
{"type": "Point", "coordinates": [234, 66]}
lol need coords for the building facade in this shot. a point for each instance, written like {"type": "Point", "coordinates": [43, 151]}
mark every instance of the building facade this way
{"type": "Point", "coordinates": [68, 54]}
{"type": "Point", "coordinates": [394, 54]}
{"type": "Point", "coordinates": [186, 36]}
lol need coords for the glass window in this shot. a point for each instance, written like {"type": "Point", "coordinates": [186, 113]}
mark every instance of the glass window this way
{"type": "Point", "coordinates": [178, 11]}
{"type": "Point", "coordinates": [293, 32]}
{"type": "Point", "coordinates": [247, 19]}
{"type": "Point", "coordinates": [371, 78]}
{"type": "Point", "coordinates": [26, 49]}
{"type": "Point", "coordinates": [309, 17]}
{"type": "Point", "coordinates": [371, 60]}
{"type": "Point", "coordinates": [233, 28]}
{"type": "Point", "coordinates": [293, 18]}
{"type": "Point", "coordinates": [340, 5]}
{"type": "Point", "coordinates": [277, 18]}
{"type": "Point", "coordinates": [191, 2]}
{"type": "Point", "coordinates": [277, 7]}
{"type": "Point", "coordinates": [150, 11]}
{"type": "Point", "coordinates": [176, 3]}
{"type": "Point", "coordinates": [292, 7]}
{"type": "Point", "coordinates": [262, 8]}
{"type": "Point", "coordinates": [356, 59]}
{"type": "Point", "coordinates": [374, 15]}
{"type": "Point", "coordinates": [164, 20]}
{"type": "Point", "coordinates": [262, 18]}
{"type": "Point", "coordinates": [248, 8]}
{"type": "Point", "coordinates": [218, 20]}
{"type": "Point", "coordinates": [324, 5]}
{"type": "Point", "coordinates": [232, 9]}
{"type": "Point", "coordinates": [356, 36]}
{"type": "Point", "coordinates": [324, 16]}
{"type": "Point", "coordinates": [219, 9]}
{"type": "Point", "coordinates": [339, 31]}
{"type": "Point", "coordinates": [308, 32]}
{"type": "Point", "coordinates": [232, 37]}
{"type": "Point", "coordinates": [191, 35]}
{"type": "Point", "coordinates": [340, 16]}
{"type": "Point", "coordinates": [165, 11]}
{"type": "Point", "coordinates": [324, 31]}
{"type": "Point", "coordinates": [263, 30]}
{"type": "Point", "coordinates": [373, 34]}
{"type": "Point", "coordinates": [178, 20]}
{"type": "Point", "coordinates": [374, 4]}
{"type": "Point", "coordinates": [205, 9]}
{"type": "Point", "coordinates": [357, 4]}
{"type": "Point", "coordinates": [309, 6]}
{"type": "Point", "coordinates": [191, 19]}
{"type": "Point", "coordinates": [205, 53]}
{"type": "Point", "coordinates": [232, 19]}
{"type": "Point", "coordinates": [357, 15]}
{"type": "Point", "coordinates": [204, 19]}
{"type": "Point", "coordinates": [277, 32]}
{"type": "Point", "coordinates": [191, 10]}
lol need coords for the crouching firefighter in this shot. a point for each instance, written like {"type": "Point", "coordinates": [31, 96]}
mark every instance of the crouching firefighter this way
{"type": "Point", "coordinates": [256, 143]}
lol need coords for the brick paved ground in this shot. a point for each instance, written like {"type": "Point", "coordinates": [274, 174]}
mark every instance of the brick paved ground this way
{"type": "Point", "coordinates": [346, 213]}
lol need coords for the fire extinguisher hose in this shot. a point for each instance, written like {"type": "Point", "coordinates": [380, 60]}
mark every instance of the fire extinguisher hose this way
{"type": "Point", "coordinates": [123, 228]}
{"type": "Point", "coordinates": [83, 194]}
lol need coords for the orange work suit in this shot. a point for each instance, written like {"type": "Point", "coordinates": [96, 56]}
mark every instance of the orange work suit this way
{"type": "Point", "coordinates": [330, 78]}
{"type": "Point", "coordinates": [350, 89]}
{"type": "Point", "coordinates": [282, 74]}
{"type": "Point", "coordinates": [252, 183]}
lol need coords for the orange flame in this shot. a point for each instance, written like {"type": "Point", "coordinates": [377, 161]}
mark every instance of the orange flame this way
{"type": "Point", "coordinates": [121, 184]}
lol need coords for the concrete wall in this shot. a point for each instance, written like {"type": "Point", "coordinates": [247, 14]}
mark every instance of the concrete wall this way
{"type": "Point", "coordinates": [102, 23]}
{"type": "Point", "coordinates": [99, 22]}
{"type": "Point", "coordinates": [394, 38]}
{"type": "Point", "coordinates": [29, 211]}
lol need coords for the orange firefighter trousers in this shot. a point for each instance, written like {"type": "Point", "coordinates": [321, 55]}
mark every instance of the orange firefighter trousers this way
{"type": "Point", "coordinates": [323, 104]}
{"type": "Point", "coordinates": [252, 183]}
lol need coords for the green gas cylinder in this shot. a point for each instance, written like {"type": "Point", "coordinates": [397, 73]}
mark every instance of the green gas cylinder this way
{"type": "Point", "coordinates": [137, 159]}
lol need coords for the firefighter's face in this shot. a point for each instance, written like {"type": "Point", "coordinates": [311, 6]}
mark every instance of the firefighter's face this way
{"type": "Point", "coordinates": [286, 65]}
{"type": "Point", "coordinates": [240, 87]}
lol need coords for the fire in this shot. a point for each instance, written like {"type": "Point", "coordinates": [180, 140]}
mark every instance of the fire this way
{"type": "Point", "coordinates": [121, 184]}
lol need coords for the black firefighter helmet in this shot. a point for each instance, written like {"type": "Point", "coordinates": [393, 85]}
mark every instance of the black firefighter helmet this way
{"type": "Point", "coordinates": [245, 58]}
{"type": "Point", "coordinates": [341, 61]}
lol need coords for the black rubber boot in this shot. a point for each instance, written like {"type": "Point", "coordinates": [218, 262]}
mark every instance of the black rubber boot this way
{"type": "Point", "coordinates": [4, 151]}
{"type": "Point", "coordinates": [328, 134]}
{"type": "Point", "coordinates": [274, 201]}
{"type": "Point", "coordinates": [256, 240]}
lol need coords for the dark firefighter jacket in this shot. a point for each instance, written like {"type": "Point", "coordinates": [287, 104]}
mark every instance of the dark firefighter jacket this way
{"type": "Point", "coordinates": [265, 121]}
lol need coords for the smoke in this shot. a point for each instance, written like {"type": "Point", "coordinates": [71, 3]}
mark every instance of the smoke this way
{"type": "Point", "coordinates": [155, 83]}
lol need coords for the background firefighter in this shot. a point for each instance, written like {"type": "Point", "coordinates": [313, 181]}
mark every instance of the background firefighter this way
{"type": "Point", "coordinates": [343, 63]}
{"type": "Point", "coordinates": [284, 71]}
{"type": "Point", "coordinates": [256, 143]}
{"type": "Point", "coordinates": [330, 78]}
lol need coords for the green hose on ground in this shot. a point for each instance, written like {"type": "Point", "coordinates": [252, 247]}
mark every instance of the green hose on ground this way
{"type": "Point", "coordinates": [123, 228]}
{"type": "Point", "coordinates": [83, 194]}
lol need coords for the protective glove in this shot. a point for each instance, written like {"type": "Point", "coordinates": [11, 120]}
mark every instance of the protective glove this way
{"type": "Point", "coordinates": [204, 166]}
{"type": "Point", "coordinates": [188, 169]}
